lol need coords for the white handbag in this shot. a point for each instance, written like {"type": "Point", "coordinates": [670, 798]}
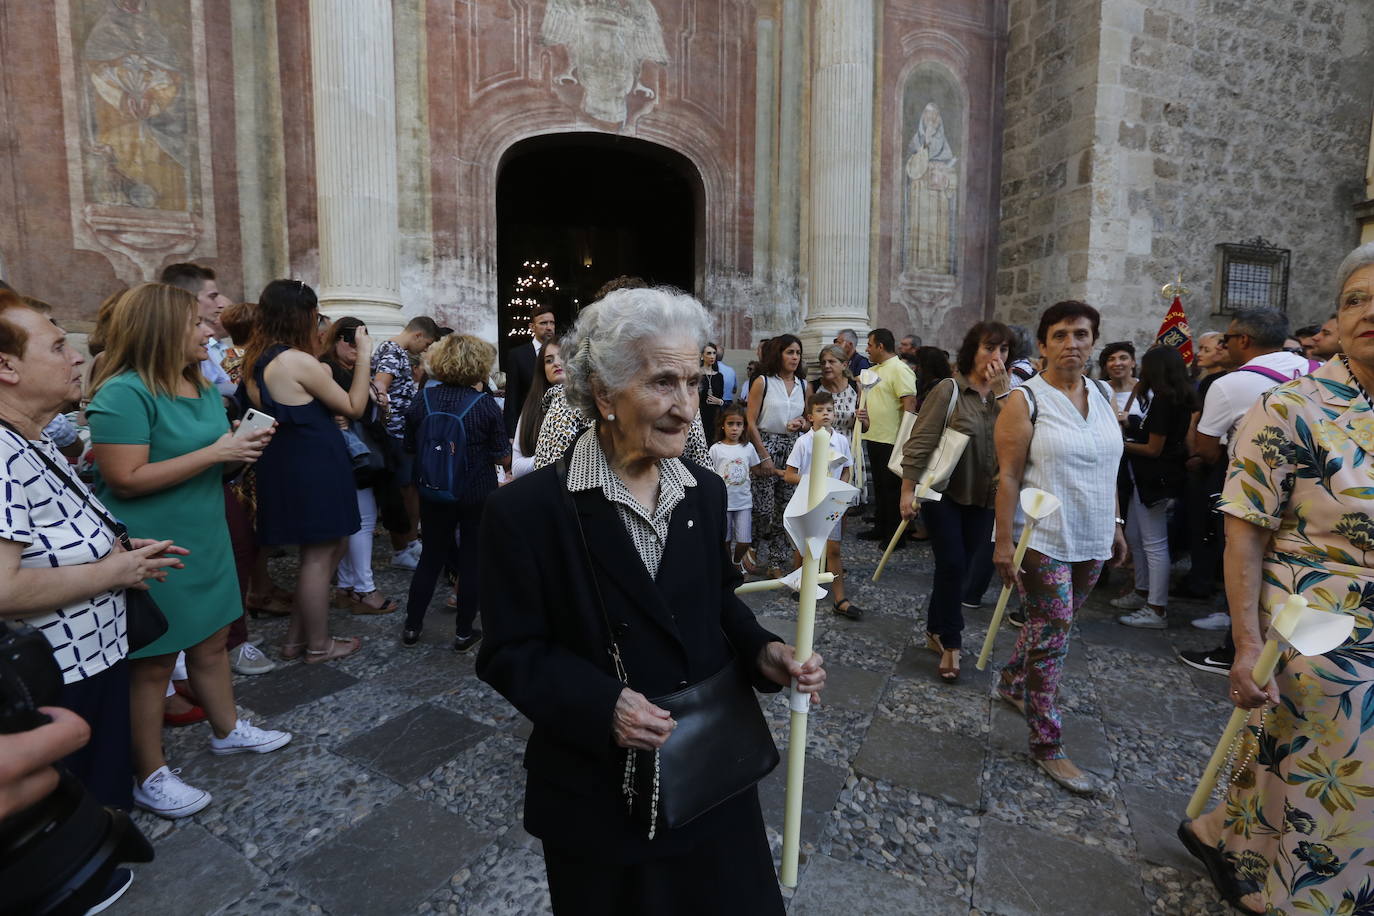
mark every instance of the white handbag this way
{"type": "Point", "coordinates": [943, 459]}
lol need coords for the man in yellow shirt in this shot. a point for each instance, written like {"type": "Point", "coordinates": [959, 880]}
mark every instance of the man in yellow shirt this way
{"type": "Point", "coordinates": [896, 392]}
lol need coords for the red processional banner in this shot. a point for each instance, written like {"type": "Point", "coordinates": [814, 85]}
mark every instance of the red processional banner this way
{"type": "Point", "coordinates": [1174, 332]}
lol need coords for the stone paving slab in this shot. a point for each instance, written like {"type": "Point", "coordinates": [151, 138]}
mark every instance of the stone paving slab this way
{"type": "Point", "coordinates": [943, 765]}
{"type": "Point", "coordinates": [410, 745]}
{"type": "Point", "coordinates": [829, 887]}
{"type": "Point", "coordinates": [198, 865]}
{"type": "Point", "coordinates": [823, 784]}
{"type": "Point", "coordinates": [1155, 815]}
{"type": "Point", "coordinates": [391, 862]}
{"type": "Point", "coordinates": [292, 684]}
{"type": "Point", "coordinates": [1023, 872]}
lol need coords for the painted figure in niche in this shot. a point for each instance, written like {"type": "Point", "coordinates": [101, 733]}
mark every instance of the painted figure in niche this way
{"type": "Point", "coordinates": [932, 197]}
{"type": "Point", "coordinates": [607, 43]}
{"type": "Point", "coordinates": [136, 141]}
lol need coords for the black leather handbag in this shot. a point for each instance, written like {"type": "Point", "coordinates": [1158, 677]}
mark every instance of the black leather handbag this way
{"type": "Point", "coordinates": [144, 621]}
{"type": "Point", "coordinates": [720, 747]}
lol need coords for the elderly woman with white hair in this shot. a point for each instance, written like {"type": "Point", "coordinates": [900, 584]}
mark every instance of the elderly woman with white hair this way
{"type": "Point", "coordinates": [1292, 833]}
{"type": "Point", "coordinates": [607, 582]}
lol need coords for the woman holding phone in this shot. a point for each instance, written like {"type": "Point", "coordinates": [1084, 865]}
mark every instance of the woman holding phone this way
{"type": "Point", "coordinates": [305, 478]}
{"type": "Point", "coordinates": [162, 446]}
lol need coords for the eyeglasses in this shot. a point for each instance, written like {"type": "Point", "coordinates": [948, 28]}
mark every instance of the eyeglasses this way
{"type": "Point", "coordinates": [1225, 338]}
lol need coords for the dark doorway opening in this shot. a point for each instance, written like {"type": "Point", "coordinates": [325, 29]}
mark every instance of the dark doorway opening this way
{"type": "Point", "coordinates": [592, 207]}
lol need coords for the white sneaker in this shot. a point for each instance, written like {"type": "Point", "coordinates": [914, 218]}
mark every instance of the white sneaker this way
{"type": "Point", "coordinates": [164, 794]}
{"type": "Point", "coordinates": [248, 737]}
{"type": "Point", "coordinates": [408, 557]}
{"type": "Point", "coordinates": [1214, 621]}
{"type": "Point", "coordinates": [1145, 619]}
{"type": "Point", "coordinates": [1131, 601]}
{"type": "Point", "coordinates": [246, 659]}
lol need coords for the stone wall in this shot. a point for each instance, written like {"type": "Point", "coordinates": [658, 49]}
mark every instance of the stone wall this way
{"type": "Point", "coordinates": [1211, 121]}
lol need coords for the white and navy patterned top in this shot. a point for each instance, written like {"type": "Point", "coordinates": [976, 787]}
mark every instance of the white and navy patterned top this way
{"type": "Point", "coordinates": [589, 470]}
{"type": "Point", "coordinates": [57, 528]}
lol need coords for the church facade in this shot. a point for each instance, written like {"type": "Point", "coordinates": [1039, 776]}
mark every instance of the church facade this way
{"type": "Point", "coordinates": [914, 164]}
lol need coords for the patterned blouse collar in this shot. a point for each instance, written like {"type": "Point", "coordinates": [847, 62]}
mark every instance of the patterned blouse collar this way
{"type": "Point", "coordinates": [589, 470]}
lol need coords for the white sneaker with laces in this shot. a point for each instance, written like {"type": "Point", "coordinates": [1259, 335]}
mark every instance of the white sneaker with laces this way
{"type": "Point", "coordinates": [248, 737]}
{"type": "Point", "coordinates": [164, 794]}
{"type": "Point", "coordinates": [408, 557]}
{"type": "Point", "coordinates": [1131, 601]}
{"type": "Point", "coordinates": [247, 659]}
{"type": "Point", "coordinates": [1145, 619]}
{"type": "Point", "coordinates": [1214, 621]}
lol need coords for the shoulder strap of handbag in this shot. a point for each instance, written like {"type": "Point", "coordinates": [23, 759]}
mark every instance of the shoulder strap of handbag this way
{"type": "Point", "coordinates": [561, 465]}
{"type": "Point", "coordinates": [953, 402]}
{"type": "Point", "coordinates": [1035, 406]}
{"type": "Point", "coordinates": [80, 492]}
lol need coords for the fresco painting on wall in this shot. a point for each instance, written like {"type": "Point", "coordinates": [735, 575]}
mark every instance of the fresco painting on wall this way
{"type": "Point", "coordinates": [607, 44]}
{"type": "Point", "coordinates": [934, 118]}
{"type": "Point", "coordinates": [134, 99]}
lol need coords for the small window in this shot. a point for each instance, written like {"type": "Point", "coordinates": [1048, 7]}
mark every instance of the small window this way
{"type": "Point", "coordinates": [1251, 274]}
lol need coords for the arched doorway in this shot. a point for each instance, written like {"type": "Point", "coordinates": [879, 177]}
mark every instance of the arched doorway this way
{"type": "Point", "coordinates": [593, 207]}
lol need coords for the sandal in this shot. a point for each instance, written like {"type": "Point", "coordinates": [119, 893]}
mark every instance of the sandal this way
{"type": "Point", "coordinates": [749, 563]}
{"type": "Point", "coordinates": [339, 647]}
{"type": "Point", "coordinates": [290, 651]}
{"type": "Point", "coordinates": [934, 644]}
{"type": "Point", "coordinates": [1013, 702]}
{"type": "Point", "coordinates": [846, 608]}
{"type": "Point", "coordinates": [272, 606]}
{"type": "Point", "coordinates": [949, 673]}
{"type": "Point", "coordinates": [1221, 872]}
{"type": "Point", "coordinates": [360, 606]}
{"type": "Point", "coordinates": [343, 598]}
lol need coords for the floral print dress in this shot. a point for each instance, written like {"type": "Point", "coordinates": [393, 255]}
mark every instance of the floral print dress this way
{"type": "Point", "coordinates": [1299, 819]}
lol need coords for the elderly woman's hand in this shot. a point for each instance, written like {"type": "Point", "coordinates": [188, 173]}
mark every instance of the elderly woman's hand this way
{"type": "Point", "coordinates": [1244, 692]}
{"type": "Point", "coordinates": [1004, 559]}
{"type": "Point", "coordinates": [640, 724]}
{"type": "Point", "coordinates": [778, 663]}
{"type": "Point", "coordinates": [148, 560]}
{"type": "Point", "coordinates": [1120, 550]}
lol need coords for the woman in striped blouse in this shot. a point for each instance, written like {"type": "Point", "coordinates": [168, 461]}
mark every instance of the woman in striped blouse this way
{"type": "Point", "coordinates": [1057, 432]}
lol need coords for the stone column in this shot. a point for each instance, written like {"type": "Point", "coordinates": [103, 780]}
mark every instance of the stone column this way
{"type": "Point", "coordinates": [353, 69]}
{"type": "Point", "coordinates": [841, 180]}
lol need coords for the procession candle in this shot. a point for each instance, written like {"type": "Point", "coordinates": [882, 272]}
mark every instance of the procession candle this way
{"type": "Point", "coordinates": [806, 626]}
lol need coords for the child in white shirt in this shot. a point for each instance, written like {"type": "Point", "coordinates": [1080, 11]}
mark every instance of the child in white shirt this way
{"type": "Point", "coordinates": [820, 412]}
{"type": "Point", "coordinates": [734, 459]}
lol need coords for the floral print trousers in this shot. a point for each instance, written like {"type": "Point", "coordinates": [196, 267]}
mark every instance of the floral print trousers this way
{"type": "Point", "coordinates": [771, 496]}
{"type": "Point", "coordinates": [1052, 591]}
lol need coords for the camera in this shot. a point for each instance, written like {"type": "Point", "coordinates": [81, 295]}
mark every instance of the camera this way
{"type": "Point", "coordinates": [57, 855]}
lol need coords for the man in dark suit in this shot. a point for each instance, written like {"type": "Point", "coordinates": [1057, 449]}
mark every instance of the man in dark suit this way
{"type": "Point", "coordinates": [520, 363]}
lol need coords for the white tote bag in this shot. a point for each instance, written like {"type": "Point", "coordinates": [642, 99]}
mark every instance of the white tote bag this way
{"type": "Point", "coordinates": [943, 459]}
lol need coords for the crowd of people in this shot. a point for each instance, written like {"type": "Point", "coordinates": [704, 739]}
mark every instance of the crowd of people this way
{"type": "Point", "coordinates": [597, 504]}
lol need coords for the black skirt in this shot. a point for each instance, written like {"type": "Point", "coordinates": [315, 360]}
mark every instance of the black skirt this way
{"type": "Point", "coordinates": [725, 874]}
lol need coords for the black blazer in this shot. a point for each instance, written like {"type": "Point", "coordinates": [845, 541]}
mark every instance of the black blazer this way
{"type": "Point", "coordinates": [545, 648]}
{"type": "Point", "coordinates": [519, 378]}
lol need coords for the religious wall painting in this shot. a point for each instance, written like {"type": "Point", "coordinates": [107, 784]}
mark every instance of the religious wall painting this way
{"type": "Point", "coordinates": [606, 45]}
{"type": "Point", "coordinates": [135, 106]}
{"type": "Point", "coordinates": [927, 256]}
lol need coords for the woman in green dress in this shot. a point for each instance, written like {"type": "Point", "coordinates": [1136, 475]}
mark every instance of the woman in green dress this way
{"type": "Point", "coordinates": [162, 445]}
{"type": "Point", "coordinates": [1295, 832]}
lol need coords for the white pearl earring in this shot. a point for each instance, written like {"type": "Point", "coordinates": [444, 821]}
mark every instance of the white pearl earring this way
{"type": "Point", "coordinates": [610, 418]}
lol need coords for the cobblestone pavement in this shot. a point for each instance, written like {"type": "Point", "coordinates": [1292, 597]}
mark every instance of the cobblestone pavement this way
{"type": "Point", "coordinates": [401, 792]}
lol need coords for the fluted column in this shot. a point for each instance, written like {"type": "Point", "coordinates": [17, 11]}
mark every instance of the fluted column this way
{"type": "Point", "coordinates": [841, 169]}
{"type": "Point", "coordinates": [353, 67]}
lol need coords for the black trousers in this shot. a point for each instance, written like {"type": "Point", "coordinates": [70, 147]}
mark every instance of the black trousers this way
{"type": "Point", "coordinates": [451, 538]}
{"type": "Point", "coordinates": [105, 765]}
{"type": "Point", "coordinates": [728, 874]}
{"type": "Point", "coordinates": [887, 490]}
{"type": "Point", "coordinates": [1204, 526]}
{"type": "Point", "coordinates": [957, 535]}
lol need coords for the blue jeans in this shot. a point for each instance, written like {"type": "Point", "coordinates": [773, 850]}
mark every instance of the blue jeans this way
{"type": "Point", "coordinates": [957, 535]}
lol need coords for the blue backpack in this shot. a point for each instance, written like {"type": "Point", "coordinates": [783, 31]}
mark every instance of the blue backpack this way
{"type": "Point", "coordinates": [441, 453]}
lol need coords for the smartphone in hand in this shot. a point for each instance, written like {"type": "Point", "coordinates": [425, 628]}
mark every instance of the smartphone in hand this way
{"type": "Point", "coordinates": [253, 421]}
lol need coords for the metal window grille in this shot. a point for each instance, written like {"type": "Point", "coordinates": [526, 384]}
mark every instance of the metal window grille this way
{"type": "Point", "coordinates": [1252, 274]}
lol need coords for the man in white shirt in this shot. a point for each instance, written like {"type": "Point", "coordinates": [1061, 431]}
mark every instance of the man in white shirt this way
{"type": "Point", "coordinates": [1254, 350]}
{"type": "Point", "coordinates": [200, 282]}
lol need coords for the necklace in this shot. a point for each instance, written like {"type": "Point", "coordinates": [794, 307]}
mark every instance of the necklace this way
{"type": "Point", "coordinates": [1369, 402]}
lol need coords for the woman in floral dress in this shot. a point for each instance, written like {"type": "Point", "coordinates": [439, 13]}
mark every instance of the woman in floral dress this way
{"type": "Point", "coordinates": [1295, 834]}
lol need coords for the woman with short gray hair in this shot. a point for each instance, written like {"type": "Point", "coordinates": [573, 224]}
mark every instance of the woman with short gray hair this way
{"type": "Point", "coordinates": [569, 413]}
{"type": "Point", "coordinates": [606, 582]}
